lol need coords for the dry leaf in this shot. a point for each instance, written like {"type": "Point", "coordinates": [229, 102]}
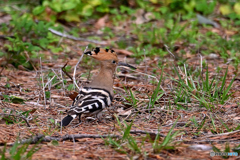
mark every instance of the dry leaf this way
{"type": "Point", "coordinates": [101, 22]}
{"type": "Point", "coordinates": [122, 112]}
{"type": "Point", "coordinates": [73, 95]}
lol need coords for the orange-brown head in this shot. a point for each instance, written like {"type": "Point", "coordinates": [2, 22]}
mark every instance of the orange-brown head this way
{"type": "Point", "coordinates": [108, 57]}
{"type": "Point", "coordinates": [109, 61]}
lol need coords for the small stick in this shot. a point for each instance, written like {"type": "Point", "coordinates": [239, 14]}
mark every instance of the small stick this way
{"type": "Point", "coordinates": [64, 70]}
{"type": "Point", "coordinates": [45, 101]}
{"type": "Point", "coordinates": [75, 38]}
{"type": "Point", "coordinates": [75, 68]}
{"type": "Point", "coordinates": [6, 114]}
{"type": "Point", "coordinates": [49, 82]}
{"type": "Point", "coordinates": [56, 74]}
{"type": "Point", "coordinates": [63, 82]}
{"type": "Point", "coordinates": [43, 138]}
{"type": "Point", "coordinates": [222, 134]}
{"type": "Point", "coordinates": [1, 70]}
{"type": "Point", "coordinates": [169, 50]}
{"type": "Point", "coordinates": [186, 78]}
{"type": "Point", "coordinates": [146, 132]}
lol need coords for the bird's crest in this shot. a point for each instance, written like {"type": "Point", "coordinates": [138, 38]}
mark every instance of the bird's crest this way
{"type": "Point", "coordinates": [102, 54]}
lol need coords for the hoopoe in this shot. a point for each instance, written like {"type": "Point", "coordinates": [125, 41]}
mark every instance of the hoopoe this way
{"type": "Point", "coordinates": [98, 94]}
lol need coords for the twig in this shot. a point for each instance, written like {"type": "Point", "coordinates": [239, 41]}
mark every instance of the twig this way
{"type": "Point", "coordinates": [43, 138]}
{"type": "Point", "coordinates": [200, 62]}
{"type": "Point", "coordinates": [222, 134]}
{"type": "Point", "coordinates": [75, 68]}
{"type": "Point", "coordinates": [75, 38]}
{"type": "Point", "coordinates": [56, 74]}
{"type": "Point", "coordinates": [7, 114]}
{"type": "Point", "coordinates": [186, 78]}
{"type": "Point", "coordinates": [169, 50]}
{"type": "Point", "coordinates": [185, 123]}
{"type": "Point", "coordinates": [210, 141]}
{"type": "Point", "coordinates": [64, 70]}
{"type": "Point", "coordinates": [1, 70]}
{"type": "Point", "coordinates": [45, 102]}
{"type": "Point", "coordinates": [49, 82]}
{"type": "Point", "coordinates": [63, 82]}
{"type": "Point", "coordinates": [146, 132]}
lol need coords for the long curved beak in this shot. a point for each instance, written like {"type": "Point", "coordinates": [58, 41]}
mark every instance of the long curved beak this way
{"type": "Point", "coordinates": [127, 65]}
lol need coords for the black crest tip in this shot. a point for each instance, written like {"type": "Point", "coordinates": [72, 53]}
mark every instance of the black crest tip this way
{"type": "Point", "coordinates": [97, 50]}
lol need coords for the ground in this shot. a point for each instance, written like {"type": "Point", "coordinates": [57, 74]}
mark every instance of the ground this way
{"type": "Point", "coordinates": [25, 84]}
{"type": "Point", "coordinates": [181, 101]}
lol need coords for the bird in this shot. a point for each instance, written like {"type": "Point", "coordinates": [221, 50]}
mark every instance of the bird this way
{"type": "Point", "coordinates": [98, 94]}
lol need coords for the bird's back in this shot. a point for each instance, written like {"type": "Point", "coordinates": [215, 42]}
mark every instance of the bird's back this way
{"type": "Point", "coordinates": [90, 99]}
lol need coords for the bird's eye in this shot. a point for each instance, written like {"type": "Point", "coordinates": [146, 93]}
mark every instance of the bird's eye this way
{"type": "Point", "coordinates": [113, 61]}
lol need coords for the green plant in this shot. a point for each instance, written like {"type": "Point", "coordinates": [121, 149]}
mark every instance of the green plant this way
{"type": "Point", "coordinates": [205, 91]}
{"type": "Point", "coordinates": [19, 151]}
{"type": "Point", "coordinates": [13, 99]}
{"type": "Point", "coordinates": [127, 142]}
{"type": "Point", "coordinates": [226, 150]}
{"type": "Point", "coordinates": [29, 38]}
{"type": "Point", "coordinates": [227, 126]}
{"type": "Point", "coordinates": [132, 99]}
{"type": "Point", "coordinates": [155, 96]}
{"type": "Point", "coordinates": [157, 146]}
{"type": "Point", "coordinates": [197, 125]}
{"type": "Point", "coordinates": [72, 10]}
{"type": "Point", "coordinates": [16, 116]}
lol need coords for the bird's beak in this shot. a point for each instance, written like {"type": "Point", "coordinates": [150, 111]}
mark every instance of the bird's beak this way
{"type": "Point", "coordinates": [88, 53]}
{"type": "Point", "coordinates": [125, 64]}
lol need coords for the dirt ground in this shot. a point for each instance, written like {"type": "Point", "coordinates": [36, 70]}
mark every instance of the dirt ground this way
{"type": "Point", "coordinates": [28, 86]}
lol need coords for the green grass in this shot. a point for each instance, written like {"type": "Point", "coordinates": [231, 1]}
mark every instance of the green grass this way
{"type": "Point", "coordinates": [149, 36]}
{"type": "Point", "coordinates": [18, 151]}
{"type": "Point", "coordinates": [207, 91]}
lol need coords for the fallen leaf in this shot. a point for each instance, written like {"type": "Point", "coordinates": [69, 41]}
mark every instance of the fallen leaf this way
{"type": "Point", "coordinates": [101, 22]}
{"type": "Point", "coordinates": [122, 112]}
{"type": "Point", "coordinates": [237, 8]}
{"type": "Point", "coordinates": [225, 9]}
{"type": "Point", "coordinates": [229, 106]}
{"type": "Point", "coordinates": [33, 110]}
{"type": "Point", "coordinates": [5, 19]}
{"type": "Point", "coordinates": [230, 33]}
{"type": "Point", "coordinates": [236, 118]}
{"type": "Point", "coordinates": [73, 95]}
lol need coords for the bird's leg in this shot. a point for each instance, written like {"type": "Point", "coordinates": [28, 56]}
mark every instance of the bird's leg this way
{"type": "Point", "coordinates": [97, 115]}
{"type": "Point", "coordinates": [77, 125]}
{"type": "Point", "coordinates": [79, 118]}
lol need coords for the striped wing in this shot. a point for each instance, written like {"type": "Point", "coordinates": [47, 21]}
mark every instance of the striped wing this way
{"type": "Point", "coordinates": [90, 100]}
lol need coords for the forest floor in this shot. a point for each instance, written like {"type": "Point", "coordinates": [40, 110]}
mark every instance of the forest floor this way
{"type": "Point", "coordinates": [27, 86]}
{"type": "Point", "coordinates": [171, 107]}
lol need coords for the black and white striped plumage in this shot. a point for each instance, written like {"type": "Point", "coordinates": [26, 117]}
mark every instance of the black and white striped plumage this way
{"type": "Point", "coordinates": [98, 94]}
{"type": "Point", "coordinates": [89, 100]}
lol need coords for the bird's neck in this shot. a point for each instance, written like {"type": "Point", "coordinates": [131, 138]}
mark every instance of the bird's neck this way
{"type": "Point", "coordinates": [104, 79]}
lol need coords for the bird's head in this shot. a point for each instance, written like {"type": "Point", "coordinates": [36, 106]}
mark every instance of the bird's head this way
{"type": "Point", "coordinates": [107, 57]}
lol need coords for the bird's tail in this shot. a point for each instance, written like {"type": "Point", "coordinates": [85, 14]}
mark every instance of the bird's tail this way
{"type": "Point", "coordinates": [67, 120]}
